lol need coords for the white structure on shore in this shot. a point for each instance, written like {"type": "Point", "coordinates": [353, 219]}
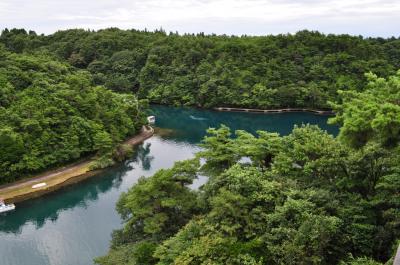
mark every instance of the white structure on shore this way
{"type": "Point", "coordinates": [151, 119]}
{"type": "Point", "coordinates": [6, 207]}
{"type": "Point", "coordinates": [40, 185]}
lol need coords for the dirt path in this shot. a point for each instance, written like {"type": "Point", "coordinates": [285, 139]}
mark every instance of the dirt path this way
{"type": "Point", "coordinates": [58, 178]}
{"type": "Point", "coordinates": [45, 176]}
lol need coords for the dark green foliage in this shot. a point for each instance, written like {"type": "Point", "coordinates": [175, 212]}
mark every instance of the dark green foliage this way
{"type": "Point", "coordinates": [306, 198]}
{"type": "Point", "coordinates": [51, 114]}
{"type": "Point", "coordinates": [301, 70]}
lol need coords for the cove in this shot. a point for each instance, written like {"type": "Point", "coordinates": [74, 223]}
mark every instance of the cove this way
{"type": "Point", "coordinates": [74, 225]}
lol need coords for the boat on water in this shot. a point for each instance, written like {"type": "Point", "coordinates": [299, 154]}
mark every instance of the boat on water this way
{"type": "Point", "coordinates": [151, 119]}
{"type": "Point", "coordinates": [197, 118]}
{"type": "Point", "coordinates": [6, 207]}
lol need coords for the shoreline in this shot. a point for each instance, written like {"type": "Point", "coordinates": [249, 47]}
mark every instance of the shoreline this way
{"type": "Point", "coordinates": [286, 110]}
{"type": "Point", "coordinates": [328, 112]}
{"type": "Point", "coordinates": [64, 176]}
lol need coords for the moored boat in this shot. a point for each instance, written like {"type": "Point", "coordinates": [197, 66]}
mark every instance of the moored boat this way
{"type": "Point", "coordinates": [151, 119]}
{"type": "Point", "coordinates": [6, 207]}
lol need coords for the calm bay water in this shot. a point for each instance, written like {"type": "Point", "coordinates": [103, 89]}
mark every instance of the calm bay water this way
{"type": "Point", "coordinates": [74, 225]}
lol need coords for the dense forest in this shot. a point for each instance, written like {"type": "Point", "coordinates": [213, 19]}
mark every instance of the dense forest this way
{"type": "Point", "coordinates": [305, 198]}
{"type": "Point", "coordinates": [51, 114]}
{"type": "Point", "coordinates": [301, 70]}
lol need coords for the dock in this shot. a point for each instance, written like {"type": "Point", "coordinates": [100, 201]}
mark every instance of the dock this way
{"type": "Point", "coordinates": [320, 112]}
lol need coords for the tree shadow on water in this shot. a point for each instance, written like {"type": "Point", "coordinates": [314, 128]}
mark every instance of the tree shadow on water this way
{"type": "Point", "coordinates": [143, 156]}
{"type": "Point", "coordinates": [49, 206]}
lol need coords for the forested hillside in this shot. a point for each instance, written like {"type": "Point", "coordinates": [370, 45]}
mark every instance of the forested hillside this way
{"type": "Point", "coordinates": [304, 69]}
{"type": "Point", "coordinates": [305, 198]}
{"type": "Point", "coordinates": [51, 114]}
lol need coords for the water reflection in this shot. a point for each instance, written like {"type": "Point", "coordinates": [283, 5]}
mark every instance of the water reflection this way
{"type": "Point", "coordinates": [190, 124]}
{"type": "Point", "coordinates": [76, 195]}
{"type": "Point", "coordinates": [143, 156]}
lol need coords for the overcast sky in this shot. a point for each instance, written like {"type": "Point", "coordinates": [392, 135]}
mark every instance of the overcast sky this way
{"type": "Point", "coordinates": [252, 17]}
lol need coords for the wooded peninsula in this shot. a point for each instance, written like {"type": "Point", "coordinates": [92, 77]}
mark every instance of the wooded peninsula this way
{"type": "Point", "coordinates": [304, 198]}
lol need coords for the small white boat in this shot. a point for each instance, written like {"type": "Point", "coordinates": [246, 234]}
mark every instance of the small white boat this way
{"type": "Point", "coordinates": [40, 185]}
{"type": "Point", "coordinates": [6, 207]}
{"type": "Point", "coordinates": [151, 119]}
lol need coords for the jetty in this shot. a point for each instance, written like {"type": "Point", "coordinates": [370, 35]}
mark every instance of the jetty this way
{"type": "Point", "coordinates": [320, 112]}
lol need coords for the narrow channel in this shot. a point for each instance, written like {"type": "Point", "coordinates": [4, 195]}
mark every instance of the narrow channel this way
{"type": "Point", "coordinates": [74, 224]}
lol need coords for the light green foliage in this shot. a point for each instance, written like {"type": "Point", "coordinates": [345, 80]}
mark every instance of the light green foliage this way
{"type": "Point", "coordinates": [308, 205]}
{"type": "Point", "coordinates": [102, 161]}
{"type": "Point", "coordinates": [130, 254]}
{"type": "Point", "coordinates": [305, 198]}
{"type": "Point", "coordinates": [199, 243]}
{"type": "Point", "coordinates": [372, 114]}
{"type": "Point", "coordinates": [261, 150]}
{"type": "Point", "coordinates": [218, 150]}
{"type": "Point", "coordinates": [156, 208]}
{"type": "Point", "coordinates": [311, 156]}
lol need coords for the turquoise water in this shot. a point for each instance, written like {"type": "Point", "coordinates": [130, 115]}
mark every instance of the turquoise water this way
{"type": "Point", "coordinates": [74, 225]}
